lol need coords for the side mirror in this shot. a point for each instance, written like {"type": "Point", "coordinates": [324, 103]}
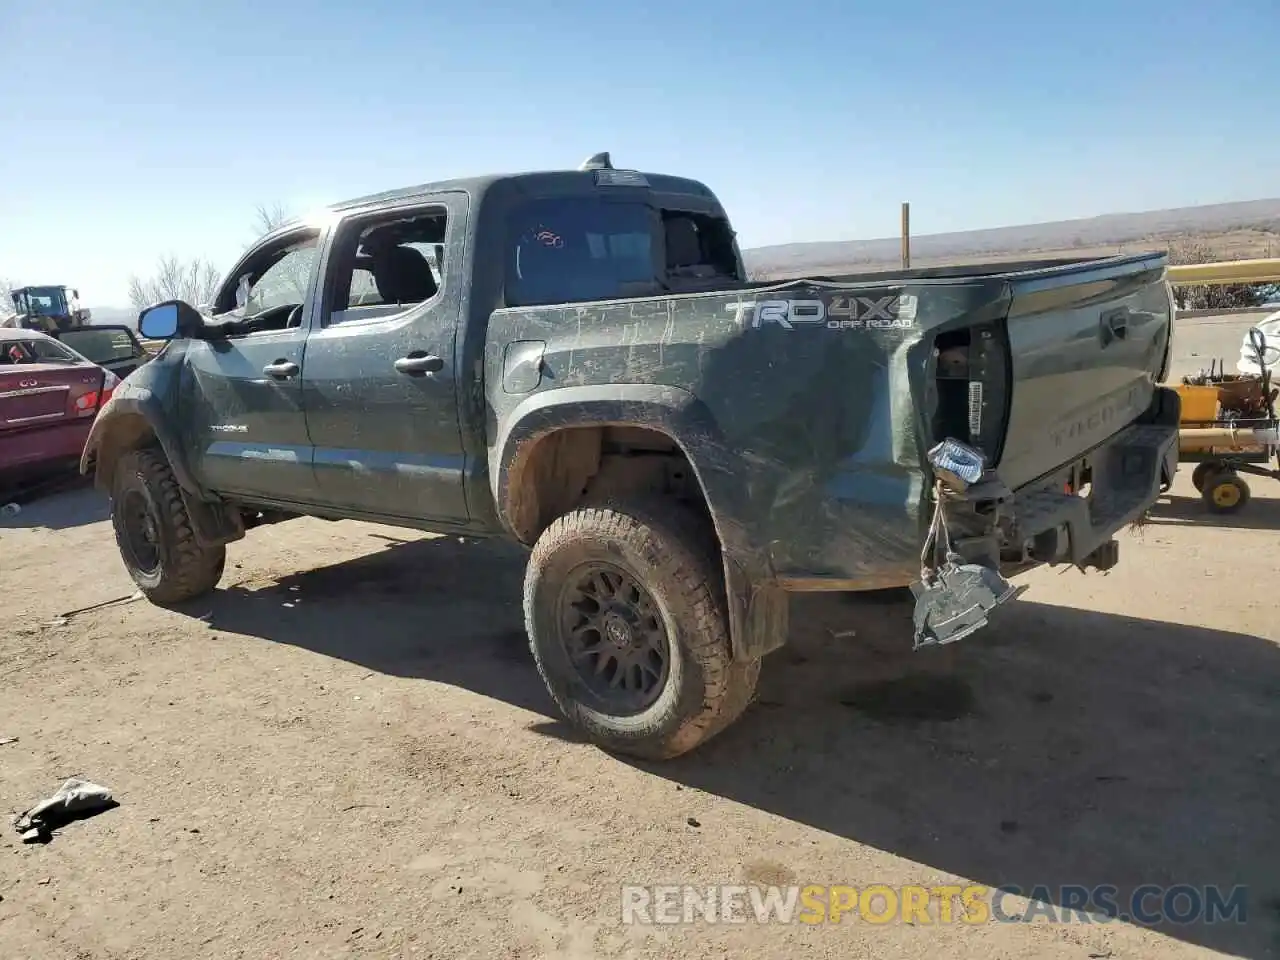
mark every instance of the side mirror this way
{"type": "Point", "coordinates": [173, 318]}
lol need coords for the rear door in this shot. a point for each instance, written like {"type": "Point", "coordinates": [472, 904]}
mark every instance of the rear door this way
{"type": "Point", "coordinates": [1087, 344]}
{"type": "Point", "coordinates": [381, 379]}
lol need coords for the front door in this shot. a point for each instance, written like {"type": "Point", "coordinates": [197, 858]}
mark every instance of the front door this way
{"type": "Point", "coordinates": [380, 384]}
{"type": "Point", "coordinates": [243, 398]}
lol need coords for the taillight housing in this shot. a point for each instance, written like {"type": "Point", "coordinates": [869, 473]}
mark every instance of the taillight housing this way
{"type": "Point", "coordinates": [971, 377]}
{"type": "Point", "coordinates": [88, 404]}
{"type": "Point", "coordinates": [109, 384]}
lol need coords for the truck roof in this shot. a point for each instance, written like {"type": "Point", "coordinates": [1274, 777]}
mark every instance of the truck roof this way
{"type": "Point", "coordinates": [535, 181]}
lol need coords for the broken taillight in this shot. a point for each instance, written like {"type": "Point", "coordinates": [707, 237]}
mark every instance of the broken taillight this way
{"type": "Point", "coordinates": [88, 403]}
{"type": "Point", "coordinates": [971, 377]}
{"type": "Point", "coordinates": [95, 400]}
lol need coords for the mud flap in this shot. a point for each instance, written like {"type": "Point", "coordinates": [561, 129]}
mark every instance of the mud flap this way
{"type": "Point", "coordinates": [955, 600]}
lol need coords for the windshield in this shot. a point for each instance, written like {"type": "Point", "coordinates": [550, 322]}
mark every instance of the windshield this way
{"type": "Point", "coordinates": [100, 346]}
{"type": "Point", "coordinates": [43, 301]}
{"type": "Point", "coordinates": [36, 351]}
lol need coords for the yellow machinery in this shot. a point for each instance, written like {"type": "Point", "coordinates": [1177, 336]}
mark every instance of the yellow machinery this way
{"type": "Point", "coordinates": [1228, 427]}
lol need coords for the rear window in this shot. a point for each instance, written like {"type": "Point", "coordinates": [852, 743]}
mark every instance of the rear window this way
{"type": "Point", "coordinates": [100, 346]}
{"type": "Point", "coordinates": [36, 351]}
{"type": "Point", "coordinates": [569, 250]}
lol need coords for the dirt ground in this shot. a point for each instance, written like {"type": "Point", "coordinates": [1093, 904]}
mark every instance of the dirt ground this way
{"type": "Point", "coordinates": [346, 752]}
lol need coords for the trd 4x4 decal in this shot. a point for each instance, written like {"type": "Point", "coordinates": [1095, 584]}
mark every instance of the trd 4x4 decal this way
{"type": "Point", "coordinates": [895, 311]}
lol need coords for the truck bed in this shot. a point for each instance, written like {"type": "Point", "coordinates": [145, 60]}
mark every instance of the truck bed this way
{"type": "Point", "coordinates": [1087, 337]}
{"type": "Point", "coordinates": [823, 394]}
{"type": "Point", "coordinates": [961, 271]}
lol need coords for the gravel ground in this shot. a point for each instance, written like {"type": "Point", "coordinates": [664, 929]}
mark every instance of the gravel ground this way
{"type": "Point", "coordinates": [346, 752]}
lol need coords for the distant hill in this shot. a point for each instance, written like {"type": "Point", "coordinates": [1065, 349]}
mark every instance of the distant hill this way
{"type": "Point", "coordinates": [1260, 217]}
{"type": "Point", "coordinates": [114, 315]}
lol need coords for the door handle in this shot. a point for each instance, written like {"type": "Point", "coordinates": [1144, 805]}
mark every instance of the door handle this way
{"type": "Point", "coordinates": [281, 369]}
{"type": "Point", "coordinates": [1113, 325]}
{"type": "Point", "coordinates": [419, 362]}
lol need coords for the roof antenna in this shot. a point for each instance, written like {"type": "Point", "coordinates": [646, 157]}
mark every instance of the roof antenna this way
{"type": "Point", "coordinates": [597, 161]}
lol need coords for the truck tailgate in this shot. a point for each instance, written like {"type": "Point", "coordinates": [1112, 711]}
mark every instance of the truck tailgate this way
{"type": "Point", "coordinates": [1088, 343]}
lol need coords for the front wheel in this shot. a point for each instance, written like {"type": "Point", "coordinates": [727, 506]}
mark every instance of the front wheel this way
{"type": "Point", "coordinates": [628, 627]}
{"type": "Point", "coordinates": [154, 532]}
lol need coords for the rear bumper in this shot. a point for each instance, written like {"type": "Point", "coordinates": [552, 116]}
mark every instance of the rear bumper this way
{"type": "Point", "coordinates": [33, 447]}
{"type": "Point", "coordinates": [1125, 476]}
{"type": "Point", "coordinates": [1070, 515]}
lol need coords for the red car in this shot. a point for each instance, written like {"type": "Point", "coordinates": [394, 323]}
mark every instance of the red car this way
{"type": "Point", "coordinates": [49, 395]}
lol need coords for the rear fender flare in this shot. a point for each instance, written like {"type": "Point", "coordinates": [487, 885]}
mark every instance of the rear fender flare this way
{"type": "Point", "coordinates": [757, 604]}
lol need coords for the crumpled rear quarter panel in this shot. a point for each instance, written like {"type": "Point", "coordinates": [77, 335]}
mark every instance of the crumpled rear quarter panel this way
{"type": "Point", "coordinates": [817, 418]}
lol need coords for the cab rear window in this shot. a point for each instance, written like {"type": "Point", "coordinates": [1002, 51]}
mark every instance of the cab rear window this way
{"type": "Point", "coordinates": [571, 250]}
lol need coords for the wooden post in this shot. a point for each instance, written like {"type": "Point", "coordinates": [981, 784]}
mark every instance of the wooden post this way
{"type": "Point", "coordinates": [906, 236]}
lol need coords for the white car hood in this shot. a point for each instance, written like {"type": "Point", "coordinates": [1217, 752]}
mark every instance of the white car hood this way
{"type": "Point", "coordinates": [1270, 327]}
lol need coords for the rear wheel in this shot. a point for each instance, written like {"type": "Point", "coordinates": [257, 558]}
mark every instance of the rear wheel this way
{"type": "Point", "coordinates": [1201, 471]}
{"type": "Point", "coordinates": [1225, 492]}
{"type": "Point", "coordinates": [154, 532]}
{"type": "Point", "coordinates": [627, 623]}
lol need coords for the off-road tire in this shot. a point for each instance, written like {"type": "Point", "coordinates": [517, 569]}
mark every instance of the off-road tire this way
{"type": "Point", "coordinates": [671, 553]}
{"type": "Point", "coordinates": [184, 569]}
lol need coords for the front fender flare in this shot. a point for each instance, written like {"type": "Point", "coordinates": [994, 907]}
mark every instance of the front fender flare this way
{"type": "Point", "coordinates": [757, 604]}
{"type": "Point", "coordinates": [135, 419]}
{"type": "Point", "coordinates": [117, 429]}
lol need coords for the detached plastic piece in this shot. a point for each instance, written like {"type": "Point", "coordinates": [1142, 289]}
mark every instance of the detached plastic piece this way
{"type": "Point", "coordinates": [75, 800]}
{"type": "Point", "coordinates": [956, 601]}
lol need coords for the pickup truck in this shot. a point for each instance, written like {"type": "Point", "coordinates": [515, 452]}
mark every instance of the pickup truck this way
{"type": "Point", "coordinates": [576, 360]}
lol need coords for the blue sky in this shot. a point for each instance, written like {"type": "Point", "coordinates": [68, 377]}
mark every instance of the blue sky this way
{"type": "Point", "coordinates": [139, 128]}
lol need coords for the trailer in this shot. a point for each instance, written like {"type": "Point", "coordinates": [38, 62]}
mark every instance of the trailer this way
{"type": "Point", "coordinates": [1228, 427]}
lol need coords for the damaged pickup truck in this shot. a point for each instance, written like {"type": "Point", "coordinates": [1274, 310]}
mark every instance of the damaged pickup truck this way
{"type": "Point", "coordinates": [577, 360]}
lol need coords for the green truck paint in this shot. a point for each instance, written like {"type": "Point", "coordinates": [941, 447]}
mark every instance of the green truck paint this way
{"type": "Point", "coordinates": [590, 336]}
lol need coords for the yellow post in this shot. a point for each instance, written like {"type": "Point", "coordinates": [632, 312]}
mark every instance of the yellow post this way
{"type": "Point", "coordinates": [1230, 271]}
